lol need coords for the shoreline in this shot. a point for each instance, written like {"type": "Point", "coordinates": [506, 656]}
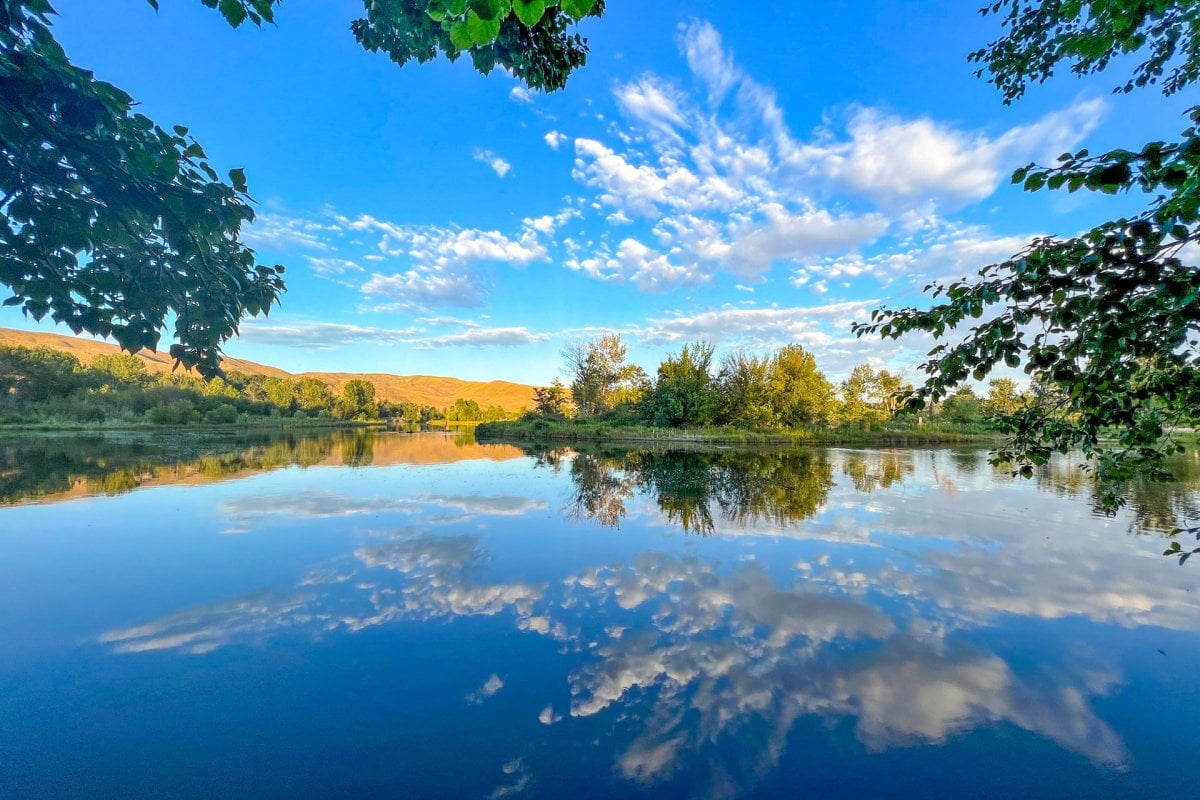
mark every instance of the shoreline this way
{"type": "Point", "coordinates": [550, 431]}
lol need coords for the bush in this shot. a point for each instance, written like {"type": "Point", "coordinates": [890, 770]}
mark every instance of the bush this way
{"type": "Point", "coordinates": [180, 412]}
{"type": "Point", "coordinates": [223, 414]}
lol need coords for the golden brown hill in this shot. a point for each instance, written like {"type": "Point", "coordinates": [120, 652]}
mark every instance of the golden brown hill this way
{"type": "Point", "coordinates": [426, 390]}
{"type": "Point", "coordinates": [86, 350]}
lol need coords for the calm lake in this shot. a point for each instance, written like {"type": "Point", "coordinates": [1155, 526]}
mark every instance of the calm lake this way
{"type": "Point", "coordinates": [371, 615]}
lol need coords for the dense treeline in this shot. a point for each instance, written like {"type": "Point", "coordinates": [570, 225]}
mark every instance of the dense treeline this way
{"type": "Point", "coordinates": [780, 390]}
{"type": "Point", "coordinates": [43, 385]}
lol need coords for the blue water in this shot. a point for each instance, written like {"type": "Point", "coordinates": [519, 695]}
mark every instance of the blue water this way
{"type": "Point", "coordinates": [460, 620]}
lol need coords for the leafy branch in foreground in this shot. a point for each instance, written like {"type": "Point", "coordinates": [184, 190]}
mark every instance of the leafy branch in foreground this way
{"type": "Point", "coordinates": [110, 222]}
{"type": "Point", "coordinates": [1105, 322]}
{"type": "Point", "coordinates": [529, 38]}
{"type": "Point", "coordinates": [1090, 34]}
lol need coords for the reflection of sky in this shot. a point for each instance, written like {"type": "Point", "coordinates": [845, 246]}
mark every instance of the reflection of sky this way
{"type": "Point", "coordinates": [941, 606]}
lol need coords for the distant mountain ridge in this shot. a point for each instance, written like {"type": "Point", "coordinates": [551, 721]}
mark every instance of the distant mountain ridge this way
{"type": "Point", "coordinates": [426, 390]}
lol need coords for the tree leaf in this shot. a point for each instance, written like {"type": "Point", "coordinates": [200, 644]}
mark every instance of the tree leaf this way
{"type": "Point", "coordinates": [530, 12]}
{"type": "Point", "coordinates": [482, 31]}
{"type": "Point", "coordinates": [577, 9]}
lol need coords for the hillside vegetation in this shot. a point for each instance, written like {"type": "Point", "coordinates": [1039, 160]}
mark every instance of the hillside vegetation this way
{"type": "Point", "coordinates": [423, 390]}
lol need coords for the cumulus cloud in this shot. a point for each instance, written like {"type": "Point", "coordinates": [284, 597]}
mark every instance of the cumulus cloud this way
{"type": "Point", "coordinates": [498, 164]}
{"type": "Point", "coordinates": [555, 139]}
{"type": "Point", "coordinates": [444, 260]}
{"type": "Point", "coordinates": [726, 186]}
{"type": "Point", "coordinates": [897, 162]}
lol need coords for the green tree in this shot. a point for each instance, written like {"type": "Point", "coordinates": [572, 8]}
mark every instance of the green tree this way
{"type": "Point", "coordinates": [34, 374]}
{"type": "Point", "coordinates": [1107, 318]}
{"type": "Point", "coordinates": [551, 400]}
{"type": "Point", "coordinates": [464, 411]}
{"type": "Point", "coordinates": [121, 367]}
{"type": "Point", "coordinates": [116, 226]}
{"type": "Point", "coordinates": [800, 394]}
{"type": "Point", "coordinates": [858, 394]}
{"type": "Point", "coordinates": [601, 380]}
{"type": "Point", "coordinates": [743, 384]}
{"type": "Point", "coordinates": [963, 406]}
{"type": "Point", "coordinates": [281, 393]}
{"type": "Point", "coordinates": [889, 391]}
{"type": "Point", "coordinates": [1002, 397]}
{"type": "Point", "coordinates": [314, 395]}
{"type": "Point", "coordinates": [684, 392]}
{"type": "Point", "coordinates": [358, 400]}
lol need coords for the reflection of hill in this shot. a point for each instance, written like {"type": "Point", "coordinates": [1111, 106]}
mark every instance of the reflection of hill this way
{"type": "Point", "coordinates": [52, 467]}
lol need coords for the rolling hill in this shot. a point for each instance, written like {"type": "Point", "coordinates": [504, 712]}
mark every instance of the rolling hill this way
{"type": "Point", "coordinates": [422, 389]}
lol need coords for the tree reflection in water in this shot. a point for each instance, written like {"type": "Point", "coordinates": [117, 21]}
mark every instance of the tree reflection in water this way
{"type": "Point", "coordinates": [690, 487]}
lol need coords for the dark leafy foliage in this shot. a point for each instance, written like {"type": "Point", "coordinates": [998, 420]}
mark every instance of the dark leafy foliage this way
{"type": "Point", "coordinates": [532, 39]}
{"type": "Point", "coordinates": [1089, 34]}
{"type": "Point", "coordinates": [1106, 322]}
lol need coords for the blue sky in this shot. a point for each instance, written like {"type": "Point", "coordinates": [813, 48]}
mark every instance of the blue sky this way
{"type": "Point", "coordinates": [748, 177]}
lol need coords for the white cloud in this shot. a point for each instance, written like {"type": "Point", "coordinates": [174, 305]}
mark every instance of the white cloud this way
{"type": "Point", "coordinates": [708, 60]}
{"type": "Point", "coordinates": [655, 103]}
{"type": "Point", "coordinates": [482, 337]}
{"type": "Point", "coordinates": [758, 327]}
{"type": "Point", "coordinates": [555, 139]}
{"type": "Point", "coordinates": [332, 267]}
{"type": "Point", "coordinates": [278, 233]}
{"type": "Point", "coordinates": [498, 164]}
{"type": "Point", "coordinates": [320, 335]}
{"type": "Point", "coordinates": [444, 260]}
{"type": "Point", "coordinates": [897, 162]}
{"type": "Point", "coordinates": [416, 290]}
{"type": "Point", "coordinates": [726, 187]}
{"type": "Point", "coordinates": [521, 94]}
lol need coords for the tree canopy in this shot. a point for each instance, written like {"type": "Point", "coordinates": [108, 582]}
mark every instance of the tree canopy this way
{"type": "Point", "coordinates": [1105, 322]}
{"type": "Point", "coordinates": [118, 227]}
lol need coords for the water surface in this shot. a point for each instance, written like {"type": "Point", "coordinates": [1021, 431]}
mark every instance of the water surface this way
{"type": "Point", "coordinates": [388, 615]}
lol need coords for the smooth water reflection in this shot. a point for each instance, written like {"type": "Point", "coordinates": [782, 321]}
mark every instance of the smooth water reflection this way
{"type": "Point", "coordinates": [476, 620]}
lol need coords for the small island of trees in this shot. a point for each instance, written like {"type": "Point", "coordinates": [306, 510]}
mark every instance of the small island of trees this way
{"type": "Point", "coordinates": [782, 394]}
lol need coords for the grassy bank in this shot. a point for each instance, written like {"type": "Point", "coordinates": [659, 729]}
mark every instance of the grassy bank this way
{"type": "Point", "coordinates": [254, 424]}
{"type": "Point", "coordinates": [548, 430]}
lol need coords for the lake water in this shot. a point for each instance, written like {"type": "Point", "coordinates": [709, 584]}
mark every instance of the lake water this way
{"type": "Point", "coordinates": [401, 616]}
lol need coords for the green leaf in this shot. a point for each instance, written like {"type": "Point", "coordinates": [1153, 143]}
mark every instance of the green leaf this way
{"type": "Point", "coordinates": [577, 9]}
{"type": "Point", "coordinates": [456, 8]}
{"type": "Point", "coordinates": [530, 12]}
{"type": "Point", "coordinates": [238, 178]}
{"type": "Point", "coordinates": [233, 11]}
{"type": "Point", "coordinates": [482, 31]}
{"type": "Point", "coordinates": [490, 10]}
{"type": "Point", "coordinates": [460, 35]}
